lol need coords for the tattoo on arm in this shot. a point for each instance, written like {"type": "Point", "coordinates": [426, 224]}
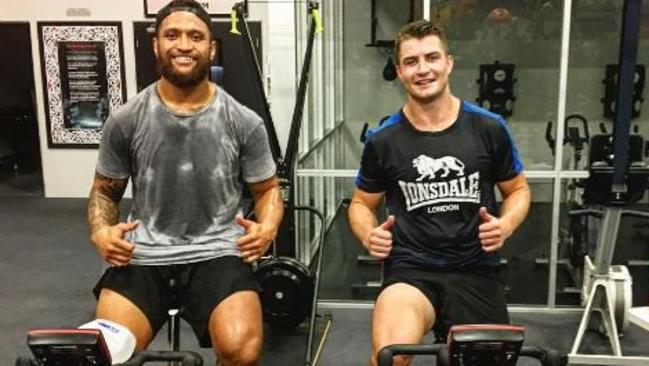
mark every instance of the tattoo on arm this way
{"type": "Point", "coordinates": [105, 195]}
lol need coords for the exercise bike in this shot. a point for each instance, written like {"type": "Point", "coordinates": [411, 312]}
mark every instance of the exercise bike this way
{"type": "Point", "coordinates": [476, 345]}
{"type": "Point", "coordinates": [87, 347]}
{"type": "Point", "coordinates": [574, 237]}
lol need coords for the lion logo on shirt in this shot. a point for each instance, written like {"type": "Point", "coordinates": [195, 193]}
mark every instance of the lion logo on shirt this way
{"type": "Point", "coordinates": [428, 167]}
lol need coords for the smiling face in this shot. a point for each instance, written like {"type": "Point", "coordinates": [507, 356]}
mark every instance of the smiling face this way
{"type": "Point", "coordinates": [184, 49]}
{"type": "Point", "coordinates": [423, 67]}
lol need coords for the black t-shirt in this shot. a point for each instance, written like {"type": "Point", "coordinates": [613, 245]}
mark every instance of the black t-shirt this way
{"type": "Point", "coordinates": [435, 183]}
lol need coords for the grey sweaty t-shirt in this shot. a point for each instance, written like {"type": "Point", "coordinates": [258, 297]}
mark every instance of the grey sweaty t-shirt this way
{"type": "Point", "coordinates": [186, 171]}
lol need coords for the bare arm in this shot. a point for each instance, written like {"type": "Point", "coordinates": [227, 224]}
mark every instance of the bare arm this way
{"type": "Point", "coordinates": [269, 206]}
{"type": "Point", "coordinates": [377, 239]}
{"type": "Point", "coordinates": [269, 211]}
{"type": "Point", "coordinates": [362, 213]}
{"type": "Point", "coordinates": [516, 203]}
{"type": "Point", "coordinates": [106, 233]}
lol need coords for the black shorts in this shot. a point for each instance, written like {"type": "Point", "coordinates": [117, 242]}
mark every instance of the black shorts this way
{"type": "Point", "coordinates": [199, 288]}
{"type": "Point", "coordinates": [467, 296]}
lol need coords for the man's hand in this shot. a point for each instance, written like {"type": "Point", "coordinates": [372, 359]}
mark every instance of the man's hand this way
{"type": "Point", "coordinates": [255, 242]}
{"type": "Point", "coordinates": [109, 242]}
{"type": "Point", "coordinates": [379, 240]}
{"type": "Point", "coordinates": [492, 232]}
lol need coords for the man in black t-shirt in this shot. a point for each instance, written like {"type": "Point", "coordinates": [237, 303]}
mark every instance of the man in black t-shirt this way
{"type": "Point", "coordinates": [435, 164]}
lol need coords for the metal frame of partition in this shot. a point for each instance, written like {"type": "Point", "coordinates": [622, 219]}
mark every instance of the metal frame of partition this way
{"type": "Point", "coordinates": [321, 120]}
{"type": "Point", "coordinates": [558, 157]}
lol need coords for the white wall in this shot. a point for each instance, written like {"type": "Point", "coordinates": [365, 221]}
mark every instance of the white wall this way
{"type": "Point", "coordinates": [69, 172]}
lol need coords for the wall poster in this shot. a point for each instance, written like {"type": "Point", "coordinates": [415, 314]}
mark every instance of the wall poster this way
{"type": "Point", "coordinates": [83, 80]}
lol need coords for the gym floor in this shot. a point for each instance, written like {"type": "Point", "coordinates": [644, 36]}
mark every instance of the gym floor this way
{"type": "Point", "coordinates": [48, 268]}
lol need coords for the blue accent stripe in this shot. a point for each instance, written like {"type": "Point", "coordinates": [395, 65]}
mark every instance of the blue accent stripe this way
{"type": "Point", "coordinates": [392, 120]}
{"type": "Point", "coordinates": [360, 181]}
{"type": "Point", "coordinates": [472, 108]}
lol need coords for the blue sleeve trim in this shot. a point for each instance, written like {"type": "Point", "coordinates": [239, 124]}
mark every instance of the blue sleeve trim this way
{"type": "Point", "coordinates": [361, 184]}
{"type": "Point", "coordinates": [360, 181]}
{"type": "Point", "coordinates": [365, 185]}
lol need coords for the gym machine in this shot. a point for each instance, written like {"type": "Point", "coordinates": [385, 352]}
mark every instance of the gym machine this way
{"type": "Point", "coordinates": [290, 288]}
{"type": "Point", "coordinates": [606, 288]}
{"type": "Point", "coordinates": [616, 180]}
{"type": "Point", "coordinates": [476, 345]}
{"type": "Point", "coordinates": [87, 347]}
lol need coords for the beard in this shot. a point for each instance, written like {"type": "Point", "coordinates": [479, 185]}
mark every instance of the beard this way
{"type": "Point", "coordinates": [183, 80]}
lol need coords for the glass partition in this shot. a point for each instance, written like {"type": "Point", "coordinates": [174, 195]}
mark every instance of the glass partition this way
{"type": "Point", "coordinates": [585, 103]}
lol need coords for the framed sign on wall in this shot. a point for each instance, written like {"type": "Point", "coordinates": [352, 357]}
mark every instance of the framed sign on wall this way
{"type": "Point", "coordinates": [83, 80]}
{"type": "Point", "coordinates": [216, 8]}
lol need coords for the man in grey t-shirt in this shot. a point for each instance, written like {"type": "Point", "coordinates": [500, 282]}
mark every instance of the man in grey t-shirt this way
{"type": "Point", "coordinates": [186, 145]}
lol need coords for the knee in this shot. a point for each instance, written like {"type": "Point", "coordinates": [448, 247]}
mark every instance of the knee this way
{"type": "Point", "coordinates": [241, 350]}
{"type": "Point", "coordinates": [396, 338]}
{"type": "Point", "coordinates": [396, 360]}
{"type": "Point", "coordinates": [401, 360]}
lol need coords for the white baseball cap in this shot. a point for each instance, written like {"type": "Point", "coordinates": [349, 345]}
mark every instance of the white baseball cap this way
{"type": "Point", "coordinates": [119, 340]}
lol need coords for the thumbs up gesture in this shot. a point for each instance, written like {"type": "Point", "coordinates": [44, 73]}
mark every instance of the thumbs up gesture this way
{"type": "Point", "coordinates": [492, 231]}
{"type": "Point", "coordinates": [111, 245]}
{"type": "Point", "coordinates": [378, 242]}
{"type": "Point", "coordinates": [255, 242]}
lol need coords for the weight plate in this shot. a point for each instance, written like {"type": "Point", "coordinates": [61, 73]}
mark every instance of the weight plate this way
{"type": "Point", "coordinates": [287, 294]}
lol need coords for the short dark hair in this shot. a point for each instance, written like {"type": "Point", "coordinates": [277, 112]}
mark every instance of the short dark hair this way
{"type": "Point", "coordinates": [418, 29]}
{"type": "Point", "coordinates": [183, 5]}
